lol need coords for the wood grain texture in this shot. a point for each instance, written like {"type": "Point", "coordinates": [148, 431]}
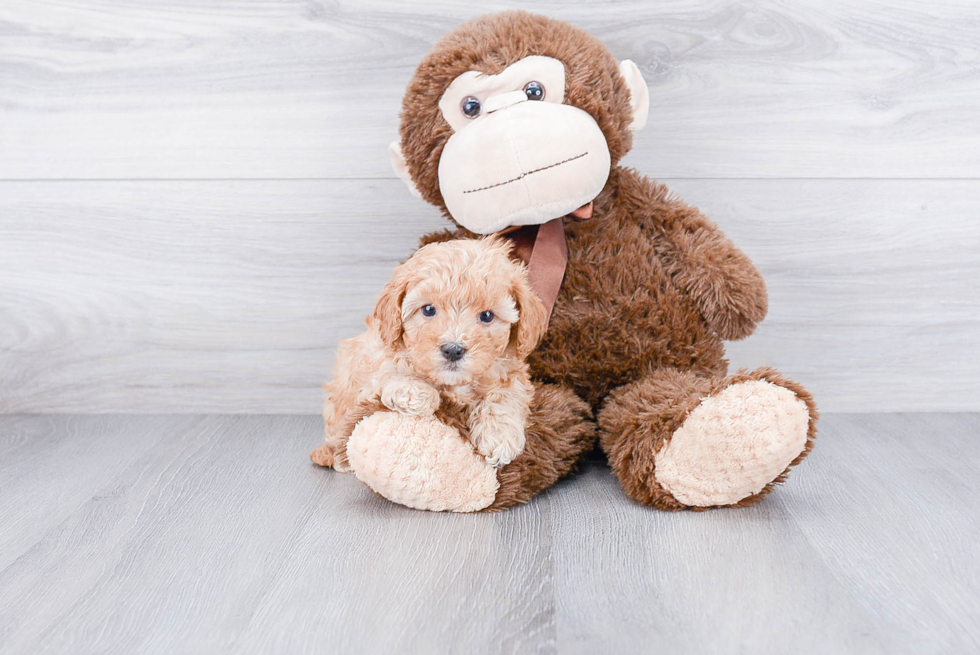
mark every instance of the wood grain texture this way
{"type": "Point", "coordinates": [629, 580]}
{"type": "Point", "coordinates": [231, 296]}
{"type": "Point", "coordinates": [871, 547]}
{"type": "Point", "coordinates": [226, 297]}
{"type": "Point", "coordinates": [225, 538]}
{"type": "Point", "coordinates": [221, 537]}
{"type": "Point", "coordinates": [905, 483]}
{"type": "Point", "coordinates": [108, 89]}
{"type": "Point", "coordinates": [53, 465]}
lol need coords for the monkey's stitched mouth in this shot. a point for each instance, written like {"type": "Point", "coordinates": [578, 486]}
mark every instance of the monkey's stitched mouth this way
{"type": "Point", "coordinates": [523, 175]}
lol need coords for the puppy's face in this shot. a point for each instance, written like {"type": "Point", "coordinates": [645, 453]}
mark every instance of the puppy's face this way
{"type": "Point", "coordinates": [459, 307]}
{"type": "Point", "coordinates": [455, 333]}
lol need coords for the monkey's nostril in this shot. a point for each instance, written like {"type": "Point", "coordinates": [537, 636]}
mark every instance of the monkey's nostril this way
{"type": "Point", "coordinates": [453, 351]}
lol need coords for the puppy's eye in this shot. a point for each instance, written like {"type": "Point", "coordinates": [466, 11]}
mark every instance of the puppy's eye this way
{"type": "Point", "coordinates": [428, 311]}
{"type": "Point", "coordinates": [534, 91]}
{"type": "Point", "coordinates": [486, 317]}
{"type": "Point", "coordinates": [470, 106]}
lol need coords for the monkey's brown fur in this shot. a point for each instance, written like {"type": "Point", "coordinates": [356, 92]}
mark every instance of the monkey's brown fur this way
{"type": "Point", "coordinates": [651, 289]}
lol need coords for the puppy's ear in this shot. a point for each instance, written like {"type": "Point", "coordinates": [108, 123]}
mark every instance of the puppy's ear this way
{"type": "Point", "coordinates": [532, 321]}
{"type": "Point", "coordinates": [388, 311]}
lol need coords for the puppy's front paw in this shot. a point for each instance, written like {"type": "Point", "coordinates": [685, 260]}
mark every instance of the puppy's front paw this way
{"type": "Point", "coordinates": [500, 445]}
{"type": "Point", "coordinates": [502, 455]}
{"type": "Point", "coordinates": [410, 397]}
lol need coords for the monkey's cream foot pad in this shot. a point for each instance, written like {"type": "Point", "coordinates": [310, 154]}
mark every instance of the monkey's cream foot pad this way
{"type": "Point", "coordinates": [418, 462]}
{"type": "Point", "coordinates": [733, 444]}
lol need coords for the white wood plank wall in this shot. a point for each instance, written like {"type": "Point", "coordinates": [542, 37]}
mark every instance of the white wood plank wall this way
{"type": "Point", "coordinates": [195, 199]}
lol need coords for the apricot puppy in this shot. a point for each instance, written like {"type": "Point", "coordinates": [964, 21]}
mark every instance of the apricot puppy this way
{"type": "Point", "coordinates": [452, 328]}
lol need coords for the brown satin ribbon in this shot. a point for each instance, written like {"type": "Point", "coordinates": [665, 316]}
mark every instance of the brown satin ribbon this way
{"type": "Point", "coordinates": [542, 248]}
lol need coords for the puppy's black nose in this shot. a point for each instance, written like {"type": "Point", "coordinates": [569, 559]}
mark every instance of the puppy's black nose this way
{"type": "Point", "coordinates": [453, 351]}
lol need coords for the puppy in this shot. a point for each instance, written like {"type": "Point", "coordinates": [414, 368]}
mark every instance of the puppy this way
{"type": "Point", "coordinates": [452, 329]}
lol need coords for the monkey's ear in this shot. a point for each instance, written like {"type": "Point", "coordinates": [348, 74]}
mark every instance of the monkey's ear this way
{"type": "Point", "coordinates": [639, 93]}
{"type": "Point", "coordinates": [401, 167]}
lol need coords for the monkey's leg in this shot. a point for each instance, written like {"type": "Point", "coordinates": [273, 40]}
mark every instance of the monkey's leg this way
{"type": "Point", "coordinates": [420, 462]}
{"type": "Point", "coordinates": [677, 440]}
{"type": "Point", "coordinates": [427, 463]}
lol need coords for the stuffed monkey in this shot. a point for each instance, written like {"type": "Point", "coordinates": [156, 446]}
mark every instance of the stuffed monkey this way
{"type": "Point", "coordinates": [515, 124]}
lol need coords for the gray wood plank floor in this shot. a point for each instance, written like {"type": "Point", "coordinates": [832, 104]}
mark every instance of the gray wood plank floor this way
{"type": "Point", "coordinates": [198, 534]}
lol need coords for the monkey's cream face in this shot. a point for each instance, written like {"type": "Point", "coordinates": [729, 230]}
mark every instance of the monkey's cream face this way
{"type": "Point", "coordinates": [456, 330]}
{"type": "Point", "coordinates": [518, 155]}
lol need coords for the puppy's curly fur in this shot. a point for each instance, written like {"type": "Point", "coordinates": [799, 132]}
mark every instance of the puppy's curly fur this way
{"type": "Point", "coordinates": [451, 329]}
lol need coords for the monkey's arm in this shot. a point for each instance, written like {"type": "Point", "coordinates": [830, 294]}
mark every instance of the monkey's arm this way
{"type": "Point", "coordinates": [728, 289]}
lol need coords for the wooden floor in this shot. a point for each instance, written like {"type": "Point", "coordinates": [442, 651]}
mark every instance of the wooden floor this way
{"type": "Point", "coordinates": [171, 534]}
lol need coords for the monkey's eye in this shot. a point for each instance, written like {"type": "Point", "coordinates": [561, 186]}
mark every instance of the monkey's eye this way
{"type": "Point", "coordinates": [486, 317]}
{"type": "Point", "coordinates": [470, 106]}
{"type": "Point", "coordinates": [428, 311]}
{"type": "Point", "coordinates": [534, 91]}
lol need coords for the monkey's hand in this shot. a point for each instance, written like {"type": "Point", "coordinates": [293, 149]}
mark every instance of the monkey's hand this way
{"type": "Point", "coordinates": [726, 287]}
{"type": "Point", "coordinates": [408, 395]}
